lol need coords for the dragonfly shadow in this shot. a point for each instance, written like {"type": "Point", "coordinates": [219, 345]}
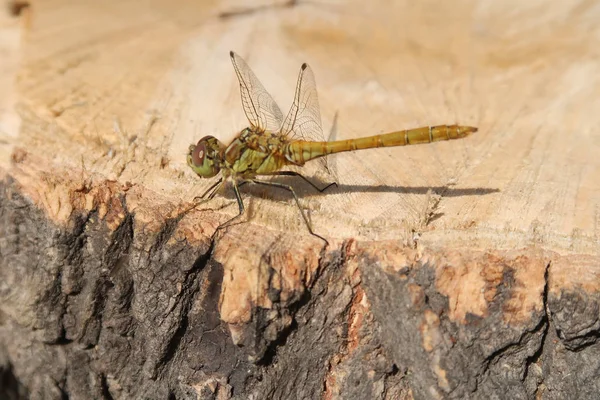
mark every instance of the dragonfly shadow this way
{"type": "Point", "coordinates": [303, 189]}
{"type": "Point", "coordinates": [446, 191]}
{"type": "Point", "coordinates": [256, 9]}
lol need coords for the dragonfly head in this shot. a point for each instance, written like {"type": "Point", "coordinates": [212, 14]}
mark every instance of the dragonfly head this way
{"type": "Point", "coordinates": [204, 157]}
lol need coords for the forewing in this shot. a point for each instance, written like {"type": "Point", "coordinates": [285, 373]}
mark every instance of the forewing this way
{"type": "Point", "coordinates": [260, 108]}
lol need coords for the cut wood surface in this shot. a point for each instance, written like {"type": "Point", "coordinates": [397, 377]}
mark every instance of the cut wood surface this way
{"type": "Point", "coordinates": [469, 248]}
{"type": "Point", "coordinates": [125, 96]}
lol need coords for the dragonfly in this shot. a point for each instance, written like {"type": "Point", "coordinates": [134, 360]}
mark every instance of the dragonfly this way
{"type": "Point", "coordinates": [271, 142]}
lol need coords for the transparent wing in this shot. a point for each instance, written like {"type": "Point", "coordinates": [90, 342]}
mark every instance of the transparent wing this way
{"type": "Point", "coordinates": [303, 121]}
{"type": "Point", "coordinates": [329, 162]}
{"type": "Point", "coordinates": [260, 108]}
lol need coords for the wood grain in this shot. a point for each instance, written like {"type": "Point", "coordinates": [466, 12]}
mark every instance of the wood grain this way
{"type": "Point", "coordinates": [128, 97]}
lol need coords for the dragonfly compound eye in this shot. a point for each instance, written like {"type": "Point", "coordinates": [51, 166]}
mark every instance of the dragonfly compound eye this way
{"type": "Point", "coordinates": [199, 153]}
{"type": "Point", "coordinates": [203, 158]}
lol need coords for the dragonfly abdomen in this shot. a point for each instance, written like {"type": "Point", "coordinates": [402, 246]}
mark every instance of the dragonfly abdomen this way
{"type": "Point", "coordinates": [301, 151]}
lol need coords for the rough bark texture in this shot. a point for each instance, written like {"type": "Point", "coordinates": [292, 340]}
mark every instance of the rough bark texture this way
{"type": "Point", "coordinates": [463, 270]}
{"type": "Point", "coordinates": [107, 308]}
{"type": "Point", "coordinates": [100, 309]}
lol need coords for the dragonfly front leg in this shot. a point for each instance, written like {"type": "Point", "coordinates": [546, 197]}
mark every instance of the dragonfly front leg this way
{"type": "Point", "coordinates": [238, 197]}
{"type": "Point", "coordinates": [216, 186]}
{"type": "Point", "coordinates": [198, 200]}
{"type": "Point", "coordinates": [290, 189]}
{"type": "Point", "coordinates": [215, 189]}
{"type": "Point", "coordinates": [294, 173]}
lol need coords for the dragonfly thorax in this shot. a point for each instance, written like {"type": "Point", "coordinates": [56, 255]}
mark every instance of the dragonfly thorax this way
{"type": "Point", "coordinates": [205, 157]}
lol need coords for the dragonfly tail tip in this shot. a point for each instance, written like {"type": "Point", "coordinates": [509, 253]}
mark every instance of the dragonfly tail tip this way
{"type": "Point", "coordinates": [467, 130]}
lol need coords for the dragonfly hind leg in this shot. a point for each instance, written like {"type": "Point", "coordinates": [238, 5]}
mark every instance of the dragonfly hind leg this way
{"type": "Point", "coordinates": [291, 190]}
{"type": "Point", "coordinates": [294, 173]}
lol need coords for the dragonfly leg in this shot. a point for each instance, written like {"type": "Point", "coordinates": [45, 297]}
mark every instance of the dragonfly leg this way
{"type": "Point", "coordinates": [238, 197]}
{"type": "Point", "coordinates": [290, 189]}
{"type": "Point", "coordinates": [216, 185]}
{"type": "Point", "coordinates": [294, 173]}
{"type": "Point", "coordinates": [198, 200]}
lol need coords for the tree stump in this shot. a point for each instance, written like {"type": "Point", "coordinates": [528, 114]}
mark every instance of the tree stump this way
{"type": "Point", "coordinates": [463, 269]}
